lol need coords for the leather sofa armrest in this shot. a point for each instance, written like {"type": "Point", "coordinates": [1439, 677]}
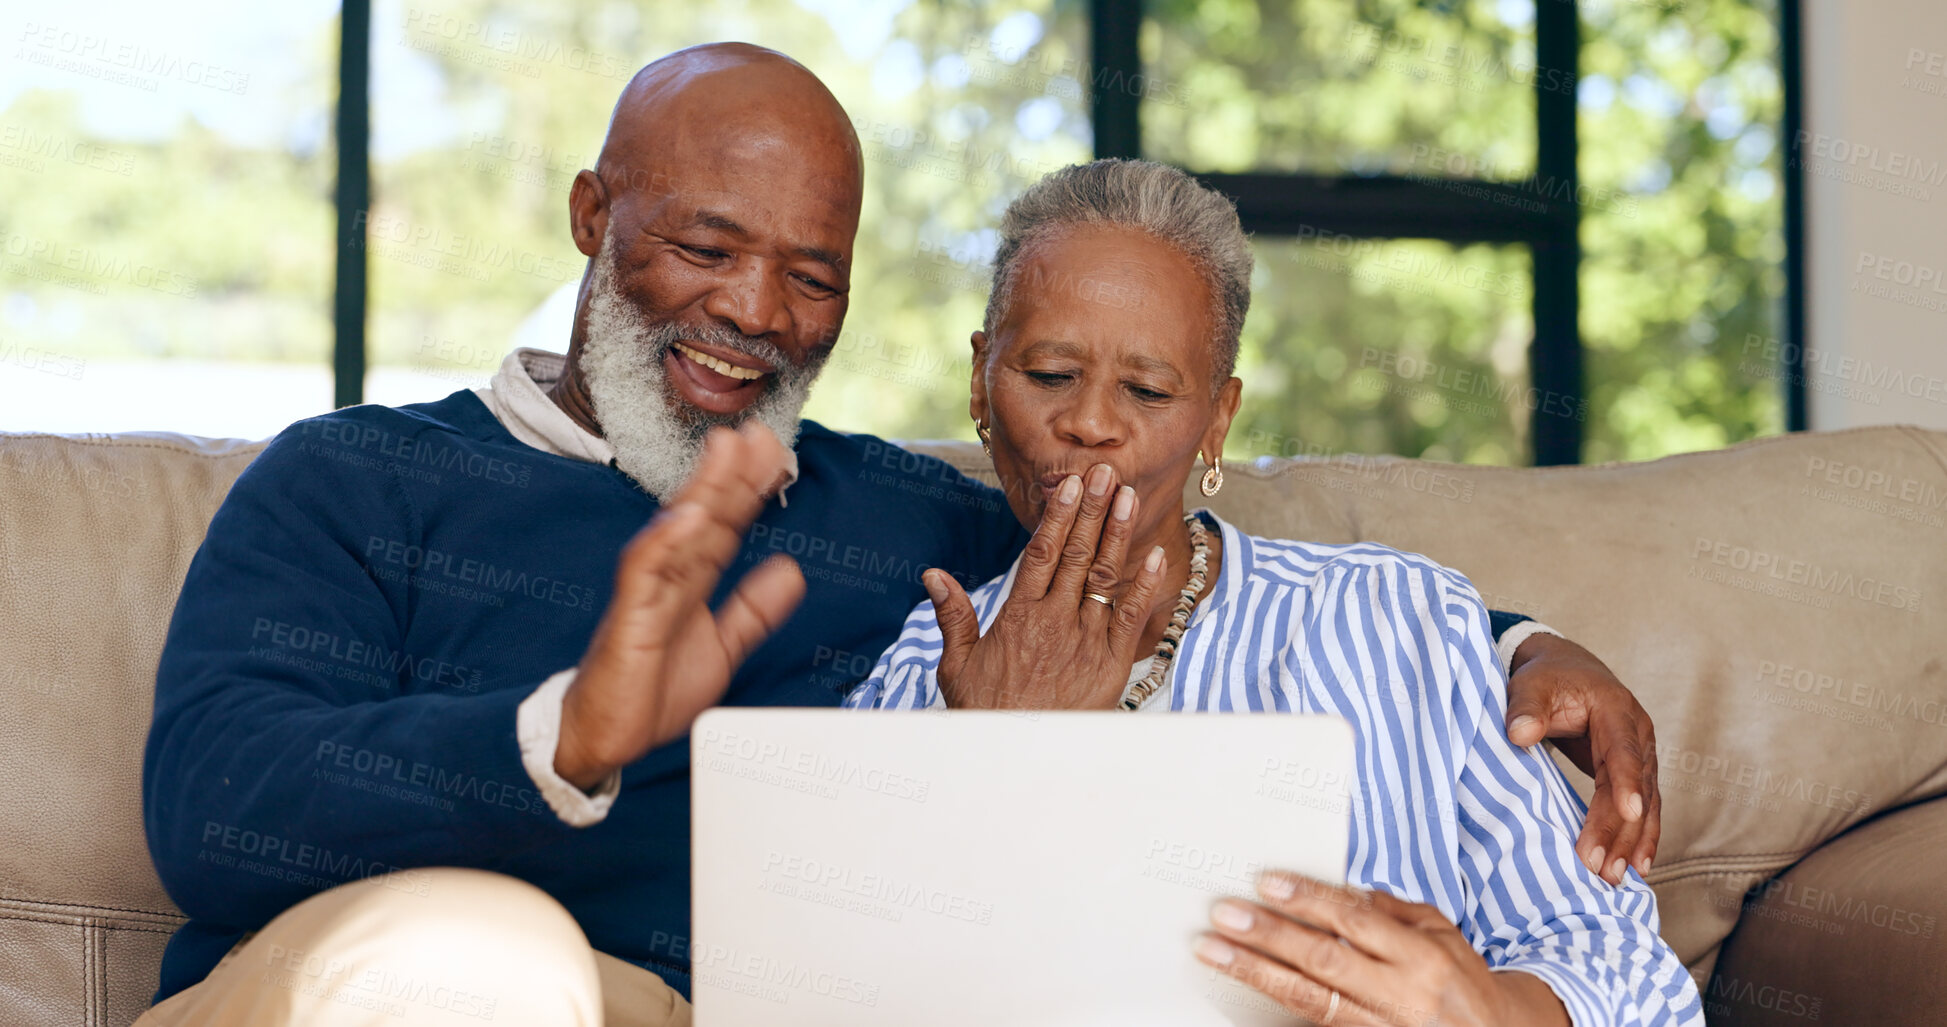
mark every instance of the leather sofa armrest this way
{"type": "Point", "coordinates": [1850, 935]}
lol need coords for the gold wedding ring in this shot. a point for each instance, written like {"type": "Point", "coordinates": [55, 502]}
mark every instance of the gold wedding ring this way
{"type": "Point", "coordinates": [1099, 597]}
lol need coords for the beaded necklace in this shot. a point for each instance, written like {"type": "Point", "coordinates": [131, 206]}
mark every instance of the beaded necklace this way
{"type": "Point", "coordinates": [1139, 693]}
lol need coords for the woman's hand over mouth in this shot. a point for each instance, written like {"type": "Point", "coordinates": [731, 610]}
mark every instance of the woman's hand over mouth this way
{"type": "Point", "coordinates": [1051, 646]}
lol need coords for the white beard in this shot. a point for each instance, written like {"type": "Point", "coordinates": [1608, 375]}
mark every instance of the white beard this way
{"type": "Point", "coordinates": [657, 436]}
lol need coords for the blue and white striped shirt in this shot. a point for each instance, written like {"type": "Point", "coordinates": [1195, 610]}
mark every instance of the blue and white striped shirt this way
{"type": "Point", "coordinates": [1447, 811]}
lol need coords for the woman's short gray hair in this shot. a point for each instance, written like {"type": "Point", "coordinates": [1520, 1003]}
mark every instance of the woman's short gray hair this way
{"type": "Point", "coordinates": [1156, 198]}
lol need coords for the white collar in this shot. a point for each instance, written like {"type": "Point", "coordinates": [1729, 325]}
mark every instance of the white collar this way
{"type": "Point", "coordinates": [518, 398]}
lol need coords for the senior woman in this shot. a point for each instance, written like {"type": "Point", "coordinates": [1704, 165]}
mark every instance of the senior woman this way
{"type": "Point", "coordinates": [1103, 369]}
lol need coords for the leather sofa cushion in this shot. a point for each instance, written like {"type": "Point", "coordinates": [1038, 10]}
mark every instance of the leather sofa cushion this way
{"type": "Point", "coordinates": [1879, 892]}
{"type": "Point", "coordinates": [95, 535]}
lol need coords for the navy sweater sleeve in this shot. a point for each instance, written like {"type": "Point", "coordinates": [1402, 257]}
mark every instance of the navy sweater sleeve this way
{"type": "Point", "coordinates": [268, 773]}
{"type": "Point", "coordinates": [1499, 622]}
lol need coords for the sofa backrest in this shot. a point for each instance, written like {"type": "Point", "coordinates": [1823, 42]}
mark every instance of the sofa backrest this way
{"type": "Point", "coordinates": [1779, 606]}
{"type": "Point", "coordinates": [95, 535]}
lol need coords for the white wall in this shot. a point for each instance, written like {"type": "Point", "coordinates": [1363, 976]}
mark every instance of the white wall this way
{"type": "Point", "coordinates": [1874, 154]}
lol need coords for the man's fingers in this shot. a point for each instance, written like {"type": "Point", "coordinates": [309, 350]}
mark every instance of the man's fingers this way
{"type": "Point", "coordinates": [1105, 574]}
{"type": "Point", "coordinates": [1616, 861]}
{"type": "Point", "coordinates": [1132, 608]}
{"type": "Point", "coordinates": [1596, 845]}
{"type": "Point", "coordinates": [1615, 821]}
{"type": "Point", "coordinates": [1618, 807]}
{"type": "Point", "coordinates": [772, 464]}
{"type": "Point", "coordinates": [684, 549]}
{"type": "Point", "coordinates": [670, 565]}
{"type": "Point", "coordinates": [1652, 834]}
{"type": "Point", "coordinates": [761, 604]}
{"type": "Point", "coordinates": [1579, 753]}
{"type": "Point", "coordinates": [959, 625]}
{"type": "Point", "coordinates": [764, 460]}
{"type": "Point", "coordinates": [718, 474]}
{"type": "Point", "coordinates": [1043, 551]}
{"type": "Point", "coordinates": [1085, 535]}
{"type": "Point", "coordinates": [1543, 703]}
{"type": "Point", "coordinates": [1527, 713]}
{"type": "Point", "coordinates": [1619, 752]}
{"type": "Point", "coordinates": [1652, 802]}
{"type": "Point", "coordinates": [735, 475]}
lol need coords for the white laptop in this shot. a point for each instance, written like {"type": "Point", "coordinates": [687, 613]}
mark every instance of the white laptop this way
{"type": "Point", "coordinates": [970, 869]}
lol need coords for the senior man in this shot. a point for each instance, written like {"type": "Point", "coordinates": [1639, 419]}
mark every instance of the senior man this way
{"type": "Point", "coordinates": [419, 750]}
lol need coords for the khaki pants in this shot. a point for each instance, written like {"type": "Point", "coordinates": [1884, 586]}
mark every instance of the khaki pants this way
{"type": "Point", "coordinates": [438, 947]}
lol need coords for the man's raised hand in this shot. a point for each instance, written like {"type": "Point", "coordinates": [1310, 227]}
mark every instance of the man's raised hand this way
{"type": "Point", "coordinates": [660, 657]}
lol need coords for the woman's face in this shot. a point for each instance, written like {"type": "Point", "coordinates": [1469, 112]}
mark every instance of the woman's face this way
{"type": "Point", "coordinates": [1104, 355]}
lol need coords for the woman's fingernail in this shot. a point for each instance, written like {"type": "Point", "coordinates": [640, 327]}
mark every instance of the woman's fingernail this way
{"type": "Point", "coordinates": [1646, 867]}
{"type": "Point", "coordinates": [1276, 886]}
{"type": "Point", "coordinates": [1521, 723]}
{"type": "Point", "coordinates": [1155, 560]}
{"type": "Point", "coordinates": [1071, 487]}
{"type": "Point", "coordinates": [1125, 501]}
{"type": "Point", "coordinates": [1232, 915]}
{"type": "Point", "coordinates": [1633, 806]}
{"type": "Point", "coordinates": [1098, 480]}
{"type": "Point", "coordinates": [1616, 868]}
{"type": "Point", "coordinates": [1595, 860]}
{"type": "Point", "coordinates": [1214, 951]}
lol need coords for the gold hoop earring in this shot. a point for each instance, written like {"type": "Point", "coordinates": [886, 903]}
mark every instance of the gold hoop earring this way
{"type": "Point", "coordinates": [986, 437]}
{"type": "Point", "coordinates": [1213, 479]}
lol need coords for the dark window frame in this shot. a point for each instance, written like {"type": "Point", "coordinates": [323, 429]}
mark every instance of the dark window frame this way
{"type": "Point", "coordinates": [1271, 204]}
{"type": "Point", "coordinates": [352, 195]}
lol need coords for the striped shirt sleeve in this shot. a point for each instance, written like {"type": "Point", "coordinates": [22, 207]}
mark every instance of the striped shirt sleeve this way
{"type": "Point", "coordinates": [1534, 907]}
{"type": "Point", "coordinates": [904, 678]}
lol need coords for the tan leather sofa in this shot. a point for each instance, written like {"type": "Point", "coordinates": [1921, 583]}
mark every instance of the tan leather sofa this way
{"type": "Point", "coordinates": [1780, 606]}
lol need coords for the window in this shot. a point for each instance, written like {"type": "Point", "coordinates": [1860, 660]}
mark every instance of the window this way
{"type": "Point", "coordinates": [1499, 231]}
{"type": "Point", "coordinates": [1387, 345]}
{"type": "Point", "coordinates": [167, 227]}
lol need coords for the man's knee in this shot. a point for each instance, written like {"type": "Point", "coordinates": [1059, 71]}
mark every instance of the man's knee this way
{"type": "Point", "coordinates": [464, 942]}
{"type": "Point", "coordinates": [417, 948]}
{"type": "Point", "coordinates": [452, 900]}
{"type": "Point", "coordinates": [446, 909]}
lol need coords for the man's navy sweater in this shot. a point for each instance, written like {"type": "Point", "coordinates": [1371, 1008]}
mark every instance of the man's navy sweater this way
{"type": "Point", "coordinates": [381, 590]}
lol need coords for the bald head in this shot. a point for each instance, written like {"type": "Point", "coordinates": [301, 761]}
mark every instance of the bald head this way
{"type": "Point", "coordinates": [733, 102]}
{"type": "Point", "coordinates": [721, 216]}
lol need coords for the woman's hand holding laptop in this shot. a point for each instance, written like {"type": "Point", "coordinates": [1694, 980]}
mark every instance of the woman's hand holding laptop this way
{"type": "Point", "coordinates": [1344, 955]}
